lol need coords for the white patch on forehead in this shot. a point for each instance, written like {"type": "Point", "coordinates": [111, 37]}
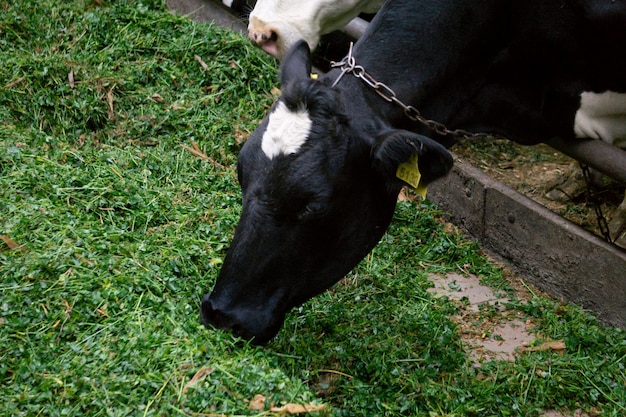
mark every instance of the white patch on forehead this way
{"type": "Point", "coordinates": [228, 3]}
{"type": "Point", "coordinates": [602, 116]}
{"type": "Point", "coordinates": [286, 131]}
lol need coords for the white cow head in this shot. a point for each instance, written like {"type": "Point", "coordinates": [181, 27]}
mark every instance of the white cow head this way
{"type": "Point", "coordinates": [276, 25]}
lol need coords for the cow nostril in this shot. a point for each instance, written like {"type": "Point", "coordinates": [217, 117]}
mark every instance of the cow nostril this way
{"type": "Point", "coordinates": [270, 36]}
{"type": "Point", "coordinates": [216, 318]}
{"type": "Point", "coordinates": [207, 312]}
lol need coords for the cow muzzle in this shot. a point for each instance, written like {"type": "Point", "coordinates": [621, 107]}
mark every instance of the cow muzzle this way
{"type": "Point", "coordinates": [264, 36]}
{"type": "Point", "coordinates": [253, 325]}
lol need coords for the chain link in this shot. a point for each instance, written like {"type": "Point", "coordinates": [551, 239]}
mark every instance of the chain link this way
{"type": "Point", "coordinates": [348, 66]}
{"type": "Point", "coordinates": [594, 199]}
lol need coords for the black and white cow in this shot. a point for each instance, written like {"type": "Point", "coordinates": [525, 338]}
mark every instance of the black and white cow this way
{"type": "Point", "coordinates": [319, 174]}
{"type": "Point", "coordinates": [276, 25]}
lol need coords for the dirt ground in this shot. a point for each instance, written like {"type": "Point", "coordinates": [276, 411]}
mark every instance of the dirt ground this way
{"type": "Point", "coordinates": [485, 339]}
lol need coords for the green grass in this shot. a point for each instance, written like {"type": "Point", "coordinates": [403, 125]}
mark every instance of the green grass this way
{"type": "Point", "coordinates": [122, 230]}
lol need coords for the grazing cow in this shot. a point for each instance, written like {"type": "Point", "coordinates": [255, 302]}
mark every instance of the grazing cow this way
{"type": "Point", "coordinates": [601, 116]}
{"type": "Point", "coordinates": [276, 25]}
{"type": "Point", "coordinates": [318, 176]}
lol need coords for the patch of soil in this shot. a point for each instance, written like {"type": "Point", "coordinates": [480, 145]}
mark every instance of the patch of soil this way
{"type": "Point", "coordinates": [489, 330]}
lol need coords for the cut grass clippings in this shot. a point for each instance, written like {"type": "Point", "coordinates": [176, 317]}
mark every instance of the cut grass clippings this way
{"type": "Point", "coordinates": [120, 125]}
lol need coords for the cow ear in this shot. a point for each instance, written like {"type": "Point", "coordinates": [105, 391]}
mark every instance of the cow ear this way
{"type": "Point", "coordinates": [404, 157]}
{"type": "Point", "coordinates": [297, 63]}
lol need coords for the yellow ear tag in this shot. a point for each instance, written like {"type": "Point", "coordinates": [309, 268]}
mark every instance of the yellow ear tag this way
{"type": "Point", "coordinates": [313, 76]}
{"type": "Point", "coordinates": [409, 172]}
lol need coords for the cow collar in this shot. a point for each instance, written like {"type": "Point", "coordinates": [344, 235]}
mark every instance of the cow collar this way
{"type": "Point", "coordinates": [348, 66]}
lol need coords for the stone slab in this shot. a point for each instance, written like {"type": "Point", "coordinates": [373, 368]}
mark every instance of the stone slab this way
{"type": "Point", "coordinates": [209, 11]}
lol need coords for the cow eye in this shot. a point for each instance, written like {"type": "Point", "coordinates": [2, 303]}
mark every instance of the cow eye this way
{"type": "Point", "coordinates": [311, 210]}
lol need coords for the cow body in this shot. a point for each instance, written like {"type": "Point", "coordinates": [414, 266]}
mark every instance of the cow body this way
{"type": "Point", "coordinates": [602, 116]}
{"type": "Point", "coordinates": [318, 175]}
{"type": "Point", "coordinates": [276, 25]}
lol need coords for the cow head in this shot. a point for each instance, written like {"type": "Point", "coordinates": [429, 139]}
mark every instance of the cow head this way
{"type": "Point", "coordinates": [276, 25]}
{"type": "Point", "coordinates": [319, 190]}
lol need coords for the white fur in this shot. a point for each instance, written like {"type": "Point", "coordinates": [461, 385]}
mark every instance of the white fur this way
{"type": "Point", "coordinates": [286, 131]}
{"type": "Point", "coordinates": [227, 3]}
{"type": "Point", "coordinates": [602, 116]}
{"type": "Point", "coordinates": [293, 20]}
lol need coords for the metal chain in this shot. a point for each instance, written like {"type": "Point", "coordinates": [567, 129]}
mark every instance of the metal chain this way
{"type": "Point", "coordinates": [348, 65]}
{"type": "Point", "coordinates": [592, 196]}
